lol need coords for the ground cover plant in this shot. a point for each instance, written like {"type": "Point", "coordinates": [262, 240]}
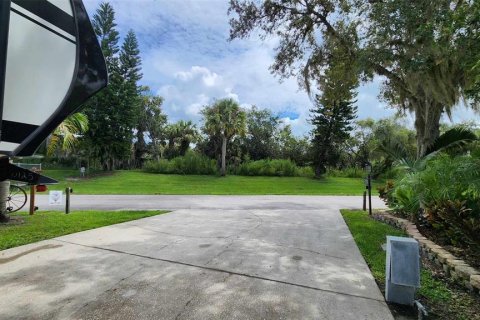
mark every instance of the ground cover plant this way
{"type": "Point", "coordinates": [275, 167]}
{"type": "Point", "coordinates": [195, 163]}
{"type": "Point", "coordinates": [443, 299]}
{"type": "Point", "coordinates": [23, 228]}
{"type": "Point", "coordinates": [190, 163]}
{"type": "Point", "coordinates": [443, 199]}
{"type": "Point", "coordinates": [138, 182]}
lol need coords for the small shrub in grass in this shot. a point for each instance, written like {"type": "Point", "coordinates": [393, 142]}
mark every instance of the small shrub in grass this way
{"type": "Point", "coordinates": [160, 166]}
{"type": "Point", "coordinates": [193, 163]}
{"type": "Point", "coordinates": [305, 171]}
{"type": "Point", "coordinates": [190, 163]}
{"type": "Point", "coordinates": [351, 172]}
{"type": "Point", "coordinates": [277, 167]}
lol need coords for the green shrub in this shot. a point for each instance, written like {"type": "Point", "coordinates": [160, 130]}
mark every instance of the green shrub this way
{"type": "Point", "coordinates": [190, 163]}
{"type": "Point", "coordinates": [385, 193]}
{"type": "Point", "coordinates": [446, 194]}
{"type": "Point", "coordinates": [406, 197]}
{"type": "Point", "coordinates": [305, 171]}
{"type": "Point", "coordinates": [401, 197]}
{"type": "Point", "coordinates": [390, 173]}
{"type": "Point", "coordinates": [276, 167]}
{"type": "Point", "coordinates": [454, 221]}
{"type": "Point", "coordinates": [160, 166]}
{"type": "Point", "coordinates": [351, 172]}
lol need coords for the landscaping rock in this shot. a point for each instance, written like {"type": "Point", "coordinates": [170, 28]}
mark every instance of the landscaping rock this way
{"type": "Point", "coordinates": [446, 269]}
{"type": "Point", "coordinates": [465, 271]}
{"type": "Point", "coordinates": [456, 262]}
{"type": "Point", "coordinates": [438, 250]}
{"type": "Point", "coordinates": [444, 256]}
{"type": "Point", "coordinates": [475, 281]}
{"type": "Point", "coordinates": [426, 243]}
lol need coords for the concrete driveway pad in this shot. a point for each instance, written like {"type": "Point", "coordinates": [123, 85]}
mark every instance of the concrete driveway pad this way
{"type": "Point", "coordinates": [198, 263]}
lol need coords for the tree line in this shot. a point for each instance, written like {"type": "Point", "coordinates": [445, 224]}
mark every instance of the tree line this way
{"type": "Point", "coordinates": [427, 64]}
{"type": "Point", "coordinates": [124, 124]}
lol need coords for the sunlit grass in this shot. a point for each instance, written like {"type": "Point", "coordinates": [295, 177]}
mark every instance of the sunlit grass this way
{"type": "Point", "coordinates": [138, 182]}
{"type": "Point", "coordinates": [25, 229]}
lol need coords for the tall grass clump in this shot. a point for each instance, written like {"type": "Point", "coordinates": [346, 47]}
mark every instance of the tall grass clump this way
{"type": "Point", "coordinates": [350, 172]}
{"type": "Point", "coordinates": [190, 163]}
{"type": "Point", "coordinates": [157, 166]}
{"type": "Point", "coordinates": [305, 172]}
{"type": "Point", "coordinates": [277, 167]}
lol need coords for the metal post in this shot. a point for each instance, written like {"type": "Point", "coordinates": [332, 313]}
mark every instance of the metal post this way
{"type": "Point", "coordinates": [364, 200]}
{"type": "Point", "coordinates": [369, 194]}
{"type": "Point", "coordinates": [67, 200]}
{"type": "Point", "coordinates": [32, 200]}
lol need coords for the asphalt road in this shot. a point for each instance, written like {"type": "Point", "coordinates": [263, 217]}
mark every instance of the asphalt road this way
{"type": "Point", "coordinates": [212, 257]}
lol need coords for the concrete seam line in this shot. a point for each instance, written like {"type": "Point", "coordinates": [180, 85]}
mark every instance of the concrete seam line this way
{"type": "Point", "coordinates": [221, 270]}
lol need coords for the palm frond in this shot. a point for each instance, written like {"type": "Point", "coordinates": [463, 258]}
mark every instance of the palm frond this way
{"type": "Point", "coordinates": [453, 138]}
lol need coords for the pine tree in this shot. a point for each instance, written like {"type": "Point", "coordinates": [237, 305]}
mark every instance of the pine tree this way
{"type": "Point", "coordinates": [130, 59]}
{"type": "Point", "coordinates": [334, 109]}
{"type": "Point", "coordinates": [332, 122]}
{"type": "Point", "coordinates": [112, 112]}
{"type": "Point", "coordinates": [130, 66]}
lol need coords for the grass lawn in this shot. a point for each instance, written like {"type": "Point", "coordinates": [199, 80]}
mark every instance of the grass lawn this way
{"type": "Point", "coordinates": [24, 228]}
{"type": "Point", "coordinates": [138, 182]}
{"type": "Point", "coordinates": [443, 301]}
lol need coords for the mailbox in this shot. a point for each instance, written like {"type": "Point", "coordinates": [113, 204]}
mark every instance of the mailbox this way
{"type": "Point", "coordinates": [402, 270]}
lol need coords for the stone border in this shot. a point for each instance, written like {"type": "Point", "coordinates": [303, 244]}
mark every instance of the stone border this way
{"type": "Point", "coordinates": [455, 268]}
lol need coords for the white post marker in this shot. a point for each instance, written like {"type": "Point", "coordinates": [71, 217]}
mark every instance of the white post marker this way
{"type": "Point", "coordinates": [55, 197]}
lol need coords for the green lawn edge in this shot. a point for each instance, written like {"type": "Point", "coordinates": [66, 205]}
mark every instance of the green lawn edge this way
{"type": "Point", "coordinates": [139, 182]}
{"type": "Point", "coordinates": [439, 296]}
{"type": "Point", "coordinates": [24, 229]}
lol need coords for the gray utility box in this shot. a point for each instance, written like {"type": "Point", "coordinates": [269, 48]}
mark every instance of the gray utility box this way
{"type": "Point", "coordinates": [403, 270]}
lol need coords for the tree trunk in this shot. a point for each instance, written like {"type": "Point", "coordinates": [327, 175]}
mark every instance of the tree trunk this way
{"type": "Point", "coordinates": [427, 125]}
{"type": "Point", "coordinates": [224, 155]}
{"type": "Point", "coordinates": [139, 149]}
{"type": "Point", "coordinates": [4, 193]}
{"type": "Point", "coordinates": [320, 170]}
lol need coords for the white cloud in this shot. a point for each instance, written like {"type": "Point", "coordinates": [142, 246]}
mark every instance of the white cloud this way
{"type": "Point", "coordinates": [187, 59]}
{"type": "Point", "coordinates": [209, 78]}
{"type": "Point", "coordinates": [194, 108]}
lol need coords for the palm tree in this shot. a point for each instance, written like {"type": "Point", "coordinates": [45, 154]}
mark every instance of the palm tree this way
{"type": "Point", "coordinates": [225, 119]}
{"type": "Point", "coordinates": [65, 136]}
{"type": "Point", "coordinates": [180, 135]}
{"type": "Point", "coordinates": [187, 134]}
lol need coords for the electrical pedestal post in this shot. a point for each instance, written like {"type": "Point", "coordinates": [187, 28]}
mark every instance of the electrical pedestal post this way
{"type": "Point", "coordinates": [369, 194]}
{"type": "Point", "coordinates": [368, 168]}
{"type": "Point", "coordinates": [68, 190]}
{"type": "Point", "coordinates": [364, 201]}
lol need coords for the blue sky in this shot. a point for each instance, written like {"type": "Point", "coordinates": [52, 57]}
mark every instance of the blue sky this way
{"type": "Point", "coordinates": [187, 60]}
